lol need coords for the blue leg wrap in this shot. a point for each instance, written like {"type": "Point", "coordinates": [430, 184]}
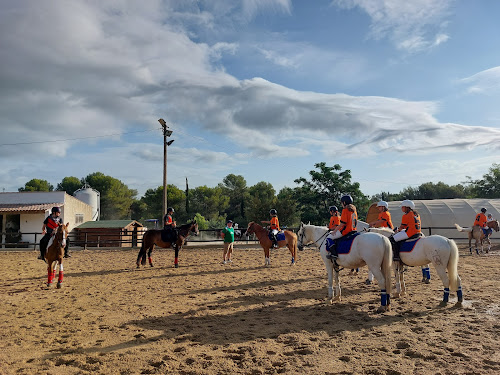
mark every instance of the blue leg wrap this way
{"type": "Point", "coordinates": [383, 297]}
{"type": "Point", "coordinates": [446, 296]}
{"type": "Point", "coordinates": [423, 273]}
{"type": "Point", "coordinates": [460, 296]}
{"type": "Point", "coordinates": [428, 273]}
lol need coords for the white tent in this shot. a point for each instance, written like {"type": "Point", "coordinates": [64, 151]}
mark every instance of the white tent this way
{"type": "Point", "coordinates": [439, 215]}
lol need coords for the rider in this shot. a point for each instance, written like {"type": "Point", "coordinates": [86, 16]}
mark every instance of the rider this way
{"type": "Point", "coordinates": [334, 218]}
{"type": "Point", "coordinates": [169, 224]}
{"type": "Point", "coordinates": [481, 220]}
{"type": "Point", "coordinates": [410, 226]}
{"type": "Point", "coordinates": [50, 223]}
{"type": "Point", "coordinates": [348, 221]}
{"type": "Point", "coordinates": [274, 226]}
{"type": "Point", "coordinates": [384, 216]}
{"type": "Point", "coordinates": [489, 230]}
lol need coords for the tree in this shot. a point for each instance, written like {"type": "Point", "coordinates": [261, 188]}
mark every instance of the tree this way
{"type": "Point", "coordinates": [287, 208]}
{"type": "Point", "coordinates": [69, 185]}
{"type": "Point", "coordinates": [37, 185]}
{"type": "Point", "coordinates": [261, 200]}
{"type": "Point", "coordinates": [116, 198]}
{"type": "Point", "coordinates": [209, 202]}
{"type": "Point", "coordinates": [489, 186]}
{"type": "Point", "coordinates": [235, 187]}
{"type": "Point", "coordinates": [153, 201]}
{"type": "Point", "coordinates": [324, 189]}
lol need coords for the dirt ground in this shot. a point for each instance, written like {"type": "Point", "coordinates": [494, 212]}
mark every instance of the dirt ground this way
{"type": "Point", "coordinates": [241, 318]}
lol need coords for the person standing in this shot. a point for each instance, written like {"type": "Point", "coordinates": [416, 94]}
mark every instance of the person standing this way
{"type": "Point", "coordinates": [228, 236]}
{"type": "Point", "coordinates": [50, 223]}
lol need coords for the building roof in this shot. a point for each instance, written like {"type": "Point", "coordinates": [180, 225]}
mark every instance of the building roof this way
{"type": "Point", "coordinates": [109, 224]}
{"type": "Point", "coordinates": [27, 207]}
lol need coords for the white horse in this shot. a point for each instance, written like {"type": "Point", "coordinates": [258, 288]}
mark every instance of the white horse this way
{"type": "Point", "coordinates": [438, 250]}
{"type": "Point", "coordinates": [363, 226]}
{"type": "Point", "coordinates": [369, 249]}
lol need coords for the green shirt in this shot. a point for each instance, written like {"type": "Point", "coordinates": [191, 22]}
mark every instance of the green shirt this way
{"type": "Point", "coordinates": [228, 234]}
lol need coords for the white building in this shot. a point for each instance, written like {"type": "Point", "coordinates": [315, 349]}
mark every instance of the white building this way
{"type": "Point", "coordinates": [22, 214]}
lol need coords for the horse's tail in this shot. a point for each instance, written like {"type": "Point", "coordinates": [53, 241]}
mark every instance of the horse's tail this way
{"type": "Point", "coordinates": [387, 264]}
{"type": "Point", "coordinates": [460, 229]}
{"type": "Point", "coordinates": [453, 266]}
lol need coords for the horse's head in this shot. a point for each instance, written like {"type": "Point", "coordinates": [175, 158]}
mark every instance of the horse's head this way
{"type": "Point", "coordinates": [495, 225]}
{"type": "Point", "coordinates": [300, 237]}
{"type": "Point", "coordinates": [194, 228]}
{"type": "Point", "coordinates": [62, 234]}
{"type": "Point", "coordinates": [250, 229]}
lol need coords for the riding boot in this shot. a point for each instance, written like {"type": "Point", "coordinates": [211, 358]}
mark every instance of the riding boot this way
{"type": "Point", "coordinates": [66, 250]}
{"type": "Point", "coordinates": [395, 248]}
{"type": "Point", "coordinates": [332, 252]}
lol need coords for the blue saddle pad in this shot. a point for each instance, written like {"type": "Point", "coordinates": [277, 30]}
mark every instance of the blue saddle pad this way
{"type": "Point", "coordinates": [280, 236]}
{"type": "Point", "coordinates": [343, 244]}
{"type": "Point", "coordinates": [408, 246]}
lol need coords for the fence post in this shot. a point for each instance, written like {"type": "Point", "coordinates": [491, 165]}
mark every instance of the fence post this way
{"type": "Point", "coordinates": [85, 244]}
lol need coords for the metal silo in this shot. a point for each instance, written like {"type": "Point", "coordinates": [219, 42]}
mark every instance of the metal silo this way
{"type": "Point", "coordinates": [92, 197]}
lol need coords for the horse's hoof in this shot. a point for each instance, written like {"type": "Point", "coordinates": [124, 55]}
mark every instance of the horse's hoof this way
{"type": "Point", "coordinates": [443, 304]}
{"type": "Point", "coordinates": [427, 281]}
{"type": "Point", "coordinates": [176, 265]}
{"type": "Point", "coordinates": [138, 265]}
{"type": "Point", "coordinates": [396, 295]}
{"type": "Point", "coordinates": [59, 285]}
{"type": "Point", "coordinates": [143, 262]}
{"type": "Point", "coordinates": [458, 304]}
{"type": "Point", "coordinates": [151, 264]}
{"type": "Point", "coordinates": [383, 309]}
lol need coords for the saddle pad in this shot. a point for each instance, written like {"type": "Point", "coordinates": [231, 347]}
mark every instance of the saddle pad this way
{"type": "Point", "coordinates": [407, 246]}
{"type": "Point", "coordinates": [343, 244]}
{"type": "Point", "coordinates": [280, 236]}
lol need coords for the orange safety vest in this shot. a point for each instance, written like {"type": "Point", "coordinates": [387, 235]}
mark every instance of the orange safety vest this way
{"type": "Point", "coordinates": [480, 220]}
{"type": "Point", "coordinates": [411, 222]}
{"type": "Point", "coordinates": [385, 216]}
{"type": "Point", "coordinates": [349, 219]}
{"type": "Point", "coordinates": [169, 220]}
{"type": "Point", "coordinates": [334, 221]}
{"type": "Point", "coordinates": [275, 224]}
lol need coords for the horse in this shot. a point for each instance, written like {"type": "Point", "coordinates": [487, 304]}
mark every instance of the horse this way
{"type": "Point", "coordinates": [55, 254]}
{"type": "Point", "coordinates": [262, 234]}
{"type": "Point", "coordinates": [477, 233]}
{"type": "Point", "coordinates": [363, 226]}
{"type": "Point", "coordinates": [152, 237]}
{"type": "Point", "coordinates": [371, 249]}
{"type": "Point", "coordinates": [438, 250]}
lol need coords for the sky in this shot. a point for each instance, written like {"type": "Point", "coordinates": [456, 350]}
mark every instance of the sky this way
{"type": "Point", "coordinates": [398, 92]}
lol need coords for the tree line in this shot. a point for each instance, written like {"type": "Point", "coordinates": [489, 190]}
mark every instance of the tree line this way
{"type": "Point", "coordinates": [233, 199]}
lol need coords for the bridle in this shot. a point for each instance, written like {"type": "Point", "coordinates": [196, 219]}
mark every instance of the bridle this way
{"type": "Point", "coordinates": [323, 236]}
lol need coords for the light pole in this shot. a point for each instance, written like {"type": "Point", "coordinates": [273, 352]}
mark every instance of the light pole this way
{"type": "Point", "coordinates": [166, 133]}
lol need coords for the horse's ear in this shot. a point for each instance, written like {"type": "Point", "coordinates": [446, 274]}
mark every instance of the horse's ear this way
{"type": "Point", "coordinates": [67, 224]}
{"type": "Point", "coordinates": [309, 223]}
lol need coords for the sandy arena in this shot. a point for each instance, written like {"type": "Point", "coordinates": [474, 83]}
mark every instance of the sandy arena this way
{"type": "Point", "coordinates": [241, 318]}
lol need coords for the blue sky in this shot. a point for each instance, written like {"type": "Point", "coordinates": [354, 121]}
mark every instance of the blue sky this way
{"type": "Point", "coordinates": [399, 92]}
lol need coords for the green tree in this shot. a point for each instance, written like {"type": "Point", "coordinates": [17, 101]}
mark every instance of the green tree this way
{"type": "Point", "coordinates": [209, 202]}
{"type": "Point", "coordinates": [488, 186]}
{"type": "Point", "coordinates": [202, 222]}
{"type": "Point", "coordinates": [37, 185]}
{"type": "Point", "coordinates": [286, 205]}
{"type": "Point", "coordinates": [235, 187]}
{"type": "Point", "coordinates": [116, 198]}
{"type": "Point", "coordinates": [325, 187]}
{"type": "Point", "coordinates": [261, 200]}
{"type": "Point", "coordinates": [153, 201]}
{"type": "Point", "coordinates": [69, 185]}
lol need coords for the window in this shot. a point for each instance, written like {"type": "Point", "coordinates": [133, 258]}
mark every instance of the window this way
{"type": "Point", "coordinates": [78, 218]}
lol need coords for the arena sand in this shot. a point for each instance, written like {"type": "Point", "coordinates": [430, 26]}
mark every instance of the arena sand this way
{"type": "Point", "coordinates": [241, 318]}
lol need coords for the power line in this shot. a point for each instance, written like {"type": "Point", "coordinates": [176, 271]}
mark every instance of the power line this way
{"type": "Point", "coordinates": [75, 139]}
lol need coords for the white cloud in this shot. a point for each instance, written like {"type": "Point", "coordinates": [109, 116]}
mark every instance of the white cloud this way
{"type": "Point", "coordinates": [412, 26]}
{"type": "Point", "coordinates": [485, 82]}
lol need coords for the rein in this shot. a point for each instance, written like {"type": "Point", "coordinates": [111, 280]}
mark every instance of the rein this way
{"type": "Point", "coordinates": [315, 242]}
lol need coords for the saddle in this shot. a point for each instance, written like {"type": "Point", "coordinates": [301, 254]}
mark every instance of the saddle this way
{"type": "Point", "coordinates": [280, 236]}
{"type": "Point", "coordinates": [343, 243]}
{"type": "Point", "coordinates": [169, 235]}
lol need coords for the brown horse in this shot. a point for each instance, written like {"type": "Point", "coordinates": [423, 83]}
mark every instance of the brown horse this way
{"type": "Point", "coordinates": [55, 254]}
{"type": "Point", "coordinates": [263, 235]}
{"type": "Point", "coordinates": [153, 237]}
{"type": "Point", "coordinates": [477, 233]}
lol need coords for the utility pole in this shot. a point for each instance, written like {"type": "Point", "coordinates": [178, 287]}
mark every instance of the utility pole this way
{"type": "Point", "coordinates": [166, 133]}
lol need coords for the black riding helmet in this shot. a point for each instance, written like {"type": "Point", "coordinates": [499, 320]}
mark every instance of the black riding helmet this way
{"type": "Point", "coordinates": [483, 210]}
{"type": "Point", "coordinates": [333, 208]}
{"type": "Point", "coordinates": [56, 209]}
{"type": "Point", "coordinates": [273, 212]}
{"type": "Point", "coordinates": [170, 209]}
{"type": "Point", "coordinates": [346, 199]}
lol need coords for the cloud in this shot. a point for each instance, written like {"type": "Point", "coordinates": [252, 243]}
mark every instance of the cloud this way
{"type": "Point", "coordinates": [485, 82]}
{"type": "Point", "coordinates": [412, 26]}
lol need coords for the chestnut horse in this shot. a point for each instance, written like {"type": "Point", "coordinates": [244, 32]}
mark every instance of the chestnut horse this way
{"type": "Point", "coordinates": [55, 254]}
{"type": "Point", "coordinates": [263, 236]}
{"type": "Point", "coordinates": [152, 237]}
{"type": "Point", "coordinates": [477, 233]}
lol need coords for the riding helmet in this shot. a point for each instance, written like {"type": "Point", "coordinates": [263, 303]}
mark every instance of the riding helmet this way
{"type": "Point", "coordinates": [408, 203]}
{"type": "Point", "coordinates": [483, 209]}
{"type": "Point", "coordinates": [333, 208]}
{"type": "Point", "coordinates": [170, 209]}
{"type": "Point", "coordinates": [346, 199]}
{"type": "Point", "coordinates": [383, 204]}
{"type": "Point", "coordinates": [56, 209]}
{"type": "Point", "coordinates": [273, 212]}
{"type": "Point", "coordinates": [229, 221]}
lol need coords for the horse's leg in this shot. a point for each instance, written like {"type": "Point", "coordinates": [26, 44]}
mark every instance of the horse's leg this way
{"type": "Point", "coordinates": [61, 274]}
{"type": "Point", "coordinates": [470, 243]}
{"type": "Point", "coordinates": [426, 274]}
{"type": "Point", "coordinates": [150, 259]}
{"type": "Point", "coordinates": [50, 273]}
{"type": "Point", "coordinates": [400, 281]}
{"type": "Point", "coordinates": [290, 247]}
{"type": "Point", "coordinates": [384, 297]}
{"type": "Point", "coordinates": [142, 251]}
{"type": "Point", "coordinates": [441, 271]}
{"type": "Point", "coordinates": [176, 259]}
{"type": "Point", "coordinates": [338, 291]}
{"type": "Point", "coordinates": [329, 269]}
{"type": "Point", "coordinates": [267, 256]}
{"type": "Point", "coordinates": [489, 245]}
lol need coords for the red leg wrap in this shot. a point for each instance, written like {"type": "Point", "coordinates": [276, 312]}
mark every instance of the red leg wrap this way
{"type": "Point", "coordinates": [61, 276]}
{"type": "Point", "coordinates": [176, 261]}
{"type": "Point", "coordinates": [150, 260]}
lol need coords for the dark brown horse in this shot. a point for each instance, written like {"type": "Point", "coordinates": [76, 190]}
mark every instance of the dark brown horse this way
{"type": "Point", "coordinates": [153, 237]}
{"type": "Point", "coordinates": [263, 235]}
{"type": "Point", "coordinates": [55, 254]}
